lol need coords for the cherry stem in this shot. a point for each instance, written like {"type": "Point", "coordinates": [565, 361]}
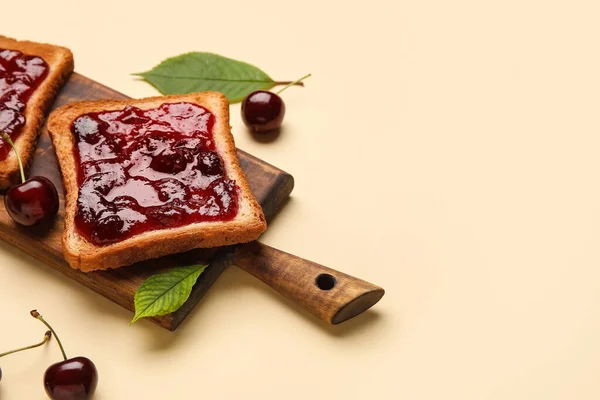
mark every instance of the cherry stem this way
{"type": "Point", "coordinates": [37, 315]}
{"type": "Point", "coordinates": [47, 337]}
{"type": "Point", "coordinates": [296, 82]}
{"type": "Point", "coordinates": [8, 140]}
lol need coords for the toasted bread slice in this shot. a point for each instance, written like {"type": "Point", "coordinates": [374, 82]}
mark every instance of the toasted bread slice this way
{"type": "Point", "coordinates": [60, 63]}
{"type": "Point", "coordinates": [86, 256]}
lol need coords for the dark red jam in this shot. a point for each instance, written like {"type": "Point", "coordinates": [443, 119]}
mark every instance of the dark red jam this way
{"type": "Point", "coordinates": [142, 170]}
{"type": "Point", "coordinates": [20, 75]}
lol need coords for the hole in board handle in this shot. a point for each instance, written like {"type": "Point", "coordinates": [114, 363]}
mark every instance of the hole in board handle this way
{"type": "Point", "coordinates": [325, 281]}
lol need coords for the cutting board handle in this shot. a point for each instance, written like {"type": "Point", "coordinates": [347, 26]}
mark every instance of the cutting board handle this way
{"type": "Point", "coordinates": [331, 295]}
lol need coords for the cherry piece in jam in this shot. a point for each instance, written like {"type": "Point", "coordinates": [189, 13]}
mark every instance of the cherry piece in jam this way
{"type": "Point", "coordinates": [20, 75]}
{"type": "Point", "coordinates": [143, 170]}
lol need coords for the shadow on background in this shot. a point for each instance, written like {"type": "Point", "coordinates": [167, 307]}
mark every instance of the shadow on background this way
{"type": "Point", "coordinates": [234, 279]}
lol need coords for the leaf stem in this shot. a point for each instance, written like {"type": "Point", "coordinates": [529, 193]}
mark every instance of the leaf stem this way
{"type": "Point", "coordinates": [47, 337]}
{"type": "Point", "coordinates": [8, 140]}
{"type": "Point", "coordinates": [296, 82]}
{"type": "Point", "coordinates": [37, 315]}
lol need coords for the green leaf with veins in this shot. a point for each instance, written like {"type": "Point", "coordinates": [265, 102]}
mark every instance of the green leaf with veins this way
{"type": "Point", "coordinates": [198, 71]}
{"type": "Point", "coordinates": [164, 293]}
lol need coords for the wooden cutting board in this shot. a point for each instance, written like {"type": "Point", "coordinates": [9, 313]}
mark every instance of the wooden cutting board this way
{"type": "Point", "coordinates": [270, 185]}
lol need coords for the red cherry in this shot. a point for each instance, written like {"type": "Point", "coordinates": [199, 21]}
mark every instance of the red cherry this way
{"type": "Point", "coordinates": [73, 379]}
{"type": "Point", "coordinates": [263, 111]}
{"type": "Point", "coordinates": [32, 201]}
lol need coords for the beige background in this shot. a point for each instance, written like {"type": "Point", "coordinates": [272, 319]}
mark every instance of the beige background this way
{"type": "Point", "coordinates": [446, 150]}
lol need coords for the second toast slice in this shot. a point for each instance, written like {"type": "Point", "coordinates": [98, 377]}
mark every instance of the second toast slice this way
{"type": "Point", "coordinates": [31, 76]}
{"type": "Point", "coordinates": [150, 177]}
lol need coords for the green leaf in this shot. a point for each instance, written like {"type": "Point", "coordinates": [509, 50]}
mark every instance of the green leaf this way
{"type": "Point", "coordinates": [164, 293]}
{"type": "Point", "coordinates": [197, 72]}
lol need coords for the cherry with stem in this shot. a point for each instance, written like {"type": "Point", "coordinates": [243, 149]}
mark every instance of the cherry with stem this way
{"type": "Point", "coordinates": [263, 111]}
{"type": "Point", "coordinates": [73, 378]}
{"type": "Point", "coordinates": [32, 201]}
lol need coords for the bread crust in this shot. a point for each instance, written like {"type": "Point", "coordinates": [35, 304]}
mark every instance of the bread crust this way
{"type": "Point", "coordinates": [81, 254]}
{"type": "Point", "coordinates": [60, 63]}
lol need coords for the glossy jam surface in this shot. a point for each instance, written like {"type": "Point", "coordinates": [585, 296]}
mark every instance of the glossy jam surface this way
{"type": "Point", "coordinates": [142, 170]}
{"type": "Point", "coordinates": [20, 75]}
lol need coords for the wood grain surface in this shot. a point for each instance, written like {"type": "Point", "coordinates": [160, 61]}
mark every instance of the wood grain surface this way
{"type": "Point", "coordinates": [270, 185]}
{"type": "Point", "coordinates": [330, 295]}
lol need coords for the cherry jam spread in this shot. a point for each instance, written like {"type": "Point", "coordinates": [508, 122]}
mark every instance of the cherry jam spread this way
{"type": "Point", "coordinates": [20, 75]}
{"type": "Point", "coordinates": [142, 170]}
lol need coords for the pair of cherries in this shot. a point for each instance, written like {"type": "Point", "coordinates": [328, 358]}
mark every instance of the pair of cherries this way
{"type": "Point", "coordinates": [71, 379]}
{"type": "Point", "coordinates": [32, 201]}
